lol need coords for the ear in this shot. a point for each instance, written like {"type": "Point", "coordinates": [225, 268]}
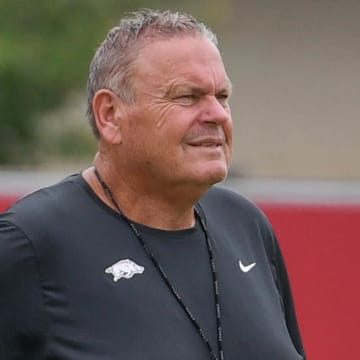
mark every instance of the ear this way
{"type": "Point", "coordinates": [107, 111]}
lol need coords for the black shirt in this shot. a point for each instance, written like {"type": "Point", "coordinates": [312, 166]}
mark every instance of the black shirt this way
{"type": "Point", "coordinates": [57, 301]}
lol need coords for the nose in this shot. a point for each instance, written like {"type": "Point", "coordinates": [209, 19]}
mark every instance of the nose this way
{"type": "Point", "coordinates": [215, 110]}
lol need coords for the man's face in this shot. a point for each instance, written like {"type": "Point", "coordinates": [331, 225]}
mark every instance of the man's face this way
{"type": "Point", "coordinates": [179, 131]}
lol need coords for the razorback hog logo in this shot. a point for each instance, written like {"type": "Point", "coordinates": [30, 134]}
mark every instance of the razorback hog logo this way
{"type": "Point", "coordinates": [124, 269]}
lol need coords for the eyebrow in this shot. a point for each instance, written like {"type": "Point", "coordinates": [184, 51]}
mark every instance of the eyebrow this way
{"type": "Point", "coordinates": [227, 88]}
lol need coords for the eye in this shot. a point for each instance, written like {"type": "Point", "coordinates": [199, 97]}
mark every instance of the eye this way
{"type": "Point", "coordinates": [223, 98]}
{"type": "Point", "coordinates": [186, 99]}
{"type": "Point", "coordinates": [187, 96]}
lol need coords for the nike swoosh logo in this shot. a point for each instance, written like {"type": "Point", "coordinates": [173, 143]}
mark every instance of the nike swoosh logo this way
{"type": "Point", "coordinates": [246, 268]}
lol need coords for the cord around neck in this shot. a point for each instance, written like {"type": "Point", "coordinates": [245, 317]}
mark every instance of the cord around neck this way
{"type": "Point", "coordinates": [167, 281]}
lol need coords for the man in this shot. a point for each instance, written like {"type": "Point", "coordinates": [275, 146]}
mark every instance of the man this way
{"type": "Point", "coordinates": [139, 257]}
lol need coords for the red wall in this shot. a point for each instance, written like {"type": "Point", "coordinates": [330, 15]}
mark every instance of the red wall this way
{"type": "Point", "coordinates": [321, 245]}
{"type": "Point", "coordinates": [6, 201]}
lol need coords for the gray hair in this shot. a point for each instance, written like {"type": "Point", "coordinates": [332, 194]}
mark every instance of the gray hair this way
{"type": "Point", "coordinates": [112, 65]}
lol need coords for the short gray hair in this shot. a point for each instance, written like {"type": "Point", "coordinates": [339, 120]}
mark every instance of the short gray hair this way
{"type": "Point", "coordinates": [112, 65]}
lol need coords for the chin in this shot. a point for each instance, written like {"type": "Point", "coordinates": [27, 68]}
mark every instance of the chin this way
{"type": "Point", "coordinates": [212, 176]}
{"type": "Point", "coordinates": [217, 178]}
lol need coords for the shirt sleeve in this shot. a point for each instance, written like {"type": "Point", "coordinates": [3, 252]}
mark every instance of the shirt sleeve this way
{"type": "Point", "coordinates": [22, 320]}
{"type": "Point", "coordinates": [284, 288]}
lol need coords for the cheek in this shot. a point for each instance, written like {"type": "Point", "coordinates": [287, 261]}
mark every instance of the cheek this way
{"type": "Point", "coordinates": [161, 129]}
{"type": "Point", "coordinates": [228, 129]}
{"type": "Point", "coordinates": [159, 114]}
{"type": "Point", "coordinates": [175, 128]}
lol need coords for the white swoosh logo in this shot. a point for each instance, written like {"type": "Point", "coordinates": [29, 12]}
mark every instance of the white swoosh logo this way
{"type": "Point", "coordinates": [246, 268]}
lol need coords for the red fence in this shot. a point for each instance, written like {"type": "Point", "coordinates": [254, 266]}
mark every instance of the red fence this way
{"type": "Point", "coordinates": [6, 201]}
{"type": "Point", "coordinates": [321, 245]}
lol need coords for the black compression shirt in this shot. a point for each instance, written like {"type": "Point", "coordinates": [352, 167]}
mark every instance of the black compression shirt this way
{"type": "Point", "coordinates": [62, 248]}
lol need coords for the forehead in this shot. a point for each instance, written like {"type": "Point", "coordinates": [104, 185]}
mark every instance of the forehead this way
{"type": "Point", "coordinates": [190, 60]}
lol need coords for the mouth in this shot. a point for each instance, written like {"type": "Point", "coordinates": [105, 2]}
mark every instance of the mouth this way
{"type": "Point", "coordinates": [207, 142]}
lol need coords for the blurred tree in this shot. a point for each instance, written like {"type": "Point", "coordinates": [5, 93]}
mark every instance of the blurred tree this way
{"type": "Point", "coordinates": [45, 49]}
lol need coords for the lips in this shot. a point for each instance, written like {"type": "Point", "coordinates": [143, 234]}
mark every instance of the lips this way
{"type": "Point", "coordinates": [206, 137]}
{"type": "Point", "coordinates": [206, 142]}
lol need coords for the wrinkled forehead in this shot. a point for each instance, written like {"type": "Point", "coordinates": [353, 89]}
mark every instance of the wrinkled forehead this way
{"type": "Point", "coordinates": [184, 58]}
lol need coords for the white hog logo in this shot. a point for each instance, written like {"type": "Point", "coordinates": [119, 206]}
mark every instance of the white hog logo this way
{"type": "Point", "coordinates": [124, 269]}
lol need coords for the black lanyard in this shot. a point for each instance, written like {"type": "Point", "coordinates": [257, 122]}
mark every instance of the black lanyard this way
{"type": "Point", "coordinates": [167, 281]}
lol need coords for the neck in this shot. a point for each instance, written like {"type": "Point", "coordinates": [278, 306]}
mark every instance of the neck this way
{"type": "Point", "coordinates": [151, 209]}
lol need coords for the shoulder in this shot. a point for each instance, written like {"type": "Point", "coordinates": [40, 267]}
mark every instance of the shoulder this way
{"type": "Point", "coordinates": [219, 193]}
{"type": "Point", "coordinates": [224, 202]}
{"type": "Point", "coordinates": [41, 205]}
{"type": "Point", "coordinates": [230, 213]}
{"type": "Point", "coordinates": [48, 196]}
